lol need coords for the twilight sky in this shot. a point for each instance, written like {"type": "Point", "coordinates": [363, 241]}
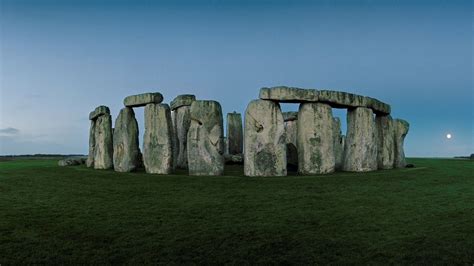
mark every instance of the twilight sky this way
{"type": "Point", "coordinates": [61, 59]}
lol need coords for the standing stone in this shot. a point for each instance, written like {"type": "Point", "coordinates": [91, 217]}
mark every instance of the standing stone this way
{"type": "Point", "coordinates": [181, 107]}
{"type": "Point", "coordinates": [157, 142]}
{"type": "Point", "coordinates": [103, 150]}
{"type": "Point", "coordinates": [234, 133]}
{"type": "Point", "coordinates": [126, 151]}
{"type": "Point", "coordinates": [90, 157]}
{"type": "Point", "coordinates": [360, 151]}
{"type": "Point", "coordinates": [315, 139]}
{"type": "Point", "coordinates": [291, 130]}
{"type": "Point", "coordinates": [265, 141]}
{"type": "Point", "coordinates": [386, 141]}
{"type": "Point", "coordinates": [401, 128]}
{"type": "Point", "coordinates": [205, 142]}
{"type": "Point", "coordinates": [338, 148]}
{"type": "Point", "coordinates": [174, 140]}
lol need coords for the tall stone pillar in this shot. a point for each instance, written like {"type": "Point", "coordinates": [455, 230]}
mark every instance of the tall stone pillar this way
{"type": "Point", "coordinates": [315, 139]}
{"type": "Point", "coordinates": [181, 105]}
{"type": "Point", "coordinates": [90, 157]}
{"type": "Point", "coordinates": [386, 141]}
{"type": "Point", "coordinates": [264, 140]}
{"type": "Point", "coordinates": [234, 133]}
{"type": "Point", "coordinates": [401, 128]}
{"type": "Point", "coordinates": [174, 140]}
{"type": "Point", "coordinates": [157, 142]}
{"type": "Point", "coordinates": [126, 149]}
{"type": "Point", "coordinates": [103, 150]}
{"type": "Point", "coordinates": [291, 130]}
{"type": "Point", "coordinates": [205, 140]}
{"type": "Point", "coordinates": [360, 153]}
{"type": "Point", "coordinates": [338, 145]}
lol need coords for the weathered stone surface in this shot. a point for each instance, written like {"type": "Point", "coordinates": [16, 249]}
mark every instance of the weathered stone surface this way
{"type": "Point", "coordinates": [72, 161]}
{"type": "Point", "coordinates": [338, 148]}
{"type": "Point", "coordinates": [290, 116]}
{"type": "Point", "coordinates": [265, 142]}
{"type": "Point", "coordinates": [235, 135]}
{"type": "Point", "coordinates": [143, 99]}
{"type": "Point", "coordinates": [315, 139]}
{"type": "Point", "coordinates": [401, 128]}
{"type": "Point", "coordinates": [182, 100]}
{"type": "Point", "coordinates": [126, 151]}
{"type": "Point", "coordinates": [183, 122]}
{"type": "Point", "coordinates": [205, 142]}
{"type": "Point", "coordinates": [174, 140]}
{"type": "Point", "coordinates": [103, 150]}
{"type": "Point", "coordinates": [336, 99]}
{"type": "Point", "coordinates": [100, 110]}
{"type": "Point", "coordinates": [234, 158]}
{"type": "Point", "coordinates": [291, 129]}
{"type": "Point", "coordinates": [360, 151]}
{"type": "Point", "coordinates": [289, 94]}
{"type": "Point", "coordinates": [157, 142]}
{"type": "Point", "coordinates": [90, 157]}
{"type": "Point", "coordinates": [385, 141]}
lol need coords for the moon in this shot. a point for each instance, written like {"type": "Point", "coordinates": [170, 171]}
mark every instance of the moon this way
{"type": "Point", "coordinates": [448, 136]}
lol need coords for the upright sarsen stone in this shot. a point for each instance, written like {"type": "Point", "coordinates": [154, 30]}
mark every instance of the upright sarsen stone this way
{"type": "Point", "coordinates": [338, 145]}
{"type": "Point", "coordinates": [386, 141]}
{"type": "Point", "coordinates": [360, 151]}
{"type": "Point", "coordinates": [90, 157]}
{"type": "Point", "coordinates": [205, 141]}
{"type": "Point", "coordinates": [174, 140]}
{"type": "Point", "coordinates": [315, 139]}
{"type": "Point", "coordinates": [181, 106]}
{"type": "Point", "coordinates": [103, 150]}
{"type": "Point", "coordinates": [234, 133]}
{"type": "Point", "coordinates": [126, 149]}
{"type": "Point", "coordinates": [265, 142]}
{"type": "Point", "coordinates": [157, 142]}
{"type": "Point", "coordinates": [401, 128]}
{"type": "Point", "coordinates": [291, 129]}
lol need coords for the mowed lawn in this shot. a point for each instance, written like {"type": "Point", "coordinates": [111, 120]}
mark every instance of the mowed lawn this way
{"type": "Point", "coordinates": [51, 214]}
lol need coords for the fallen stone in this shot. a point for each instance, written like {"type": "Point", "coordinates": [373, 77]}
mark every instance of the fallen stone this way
{"type": "Point", "coordinates": [143, 99]}
{"type": "Point", "coordinates": [315, 139]}
{"type": "Point", "coordinates": [182, 100]}
{"type": "Point", "coordinates": [234, 158]}
{"type": "Point", "coordinates": [100, 110]}
{"type": "Point", "coordinates": [90, 157]}
{"type": "Point", "coordinates": [360, 152]}
{"type": "Point", "coordinates": [386, 141]}
{"type": "Point", "coordinates": [291, 129]}
{"type": "Point", "coordinates": [206, 139]}
{"type": "Point", "coordinates": [126, 151]}
{"type": "Point", "coordinates": [338, 145]}
{"type": "Point", "coordinates": [103, 150]}
{"type": "Point", "coordinates": [289, 94]}
{"type": "Point", "coordinates": [401, 128]}
{"type": "Point", "coordinates": [157, 141]}
{"type": "Point", "coordinates": [265, 142]}
{"type": "Point", "coordinates": [71, 161]}
{"type": "Point", "coordinates": [234, 133]}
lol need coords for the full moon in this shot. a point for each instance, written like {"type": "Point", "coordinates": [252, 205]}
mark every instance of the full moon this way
{"type": "Point", "coordinates": [448, 136]}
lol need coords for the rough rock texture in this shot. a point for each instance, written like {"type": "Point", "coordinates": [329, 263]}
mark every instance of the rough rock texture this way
{"type": "Point", "coordinates": [289, 94]}
{"type": "Point", "coordinates": [315, 139]}
{"type": "Point", "coordinates": [126, 151]}
{"type": "Point", "coordinates": [174, 140]}
{"type": "Point", "coordinates": [103, 150]}
{"type": "Point", "coordinates": [143, 99]}
{"type": "Point", "coordinates": [235, 135]}
{"type": "Point", "coordinates": [265, 141]}
{"type": "Point", "coordinates": [385, 141]}
{"type": "Point", "coordinates": [183, 122]}
{"type": "Point", "coordinates": [234, 158]}
{"type": "Point", "coordinates": [206, 139]}
{"type": "Point", "coordinates": [72, 161]}
{"type": "Point", "coordinates": [157, 142]}
{"type": "Point", "coordinates": [90, 157]}
{"type": "Point", "coordinates": [182, 100]}
{"type": "Point", "coordinates": [338, 148]}
{"type": "Point", "coordinates": [336, 99]}
{"type": "Point", "coordinates": [291, 129]}
{"type": "Point", "coordinates": [360, 151]}
{"type": "Point", "coordinates": [100, 110]}
{"type": "Point", "coordinates": [401, 128]}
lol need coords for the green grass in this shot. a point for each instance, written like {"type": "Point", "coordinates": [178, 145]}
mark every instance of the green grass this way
{"type": "Point", "coordinates": [51, 214]}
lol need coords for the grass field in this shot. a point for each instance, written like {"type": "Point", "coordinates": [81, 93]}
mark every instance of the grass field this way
{"type": "Point", "coordinates": [51, 214]}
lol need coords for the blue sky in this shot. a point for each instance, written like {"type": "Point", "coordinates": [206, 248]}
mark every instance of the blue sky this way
{"type": "Point", "coordinates": [60, 59]}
